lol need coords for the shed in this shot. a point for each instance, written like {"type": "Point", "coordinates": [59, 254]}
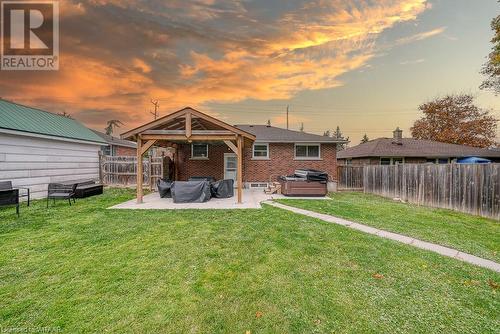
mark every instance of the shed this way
{"type": "Point", "coordinates": [38, 147]}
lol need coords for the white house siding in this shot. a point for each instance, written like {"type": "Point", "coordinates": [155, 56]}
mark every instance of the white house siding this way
{"type": "Point", "coordinates": [35, 162]}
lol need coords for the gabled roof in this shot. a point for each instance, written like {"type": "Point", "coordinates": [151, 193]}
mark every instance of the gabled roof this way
{"type": "Point", "coordinates": [272, 134]}
{"type": "Point", "coordinates": [115, 141]}
{"type": "Point", "coordinates": [384, 147]}
{"type": "Point", "coordinates": [26, 119]}
{"type": "Point", "coordinates": [176, 120]}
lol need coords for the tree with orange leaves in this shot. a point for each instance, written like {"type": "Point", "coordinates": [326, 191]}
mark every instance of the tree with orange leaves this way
{"type": "Point", "coordinates": [456, 119]}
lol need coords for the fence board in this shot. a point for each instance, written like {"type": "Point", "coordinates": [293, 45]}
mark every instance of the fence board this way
{"type": "Point", "coordinates": [122, 170]}
{"type": "Point", "coordinates": [470, 188]}
{"type": "Point", "coordinates": [350, 177]}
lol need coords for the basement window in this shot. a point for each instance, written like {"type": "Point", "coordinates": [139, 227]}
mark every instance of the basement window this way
{"type": "Point", "coordinates": [199, 151]}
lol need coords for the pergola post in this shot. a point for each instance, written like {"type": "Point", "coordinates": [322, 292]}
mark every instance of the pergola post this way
{"type": "Point", "coordinates": [240, 168]}
{"type": "Point", "coordinates": [139, 170]}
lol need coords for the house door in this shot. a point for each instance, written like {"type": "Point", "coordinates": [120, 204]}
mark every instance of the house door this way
{"type": "Point", "coordinates": [231, 167]}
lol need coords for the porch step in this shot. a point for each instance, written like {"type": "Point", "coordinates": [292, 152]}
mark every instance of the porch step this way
{"type": "Point", "coordinates": [274, 188]}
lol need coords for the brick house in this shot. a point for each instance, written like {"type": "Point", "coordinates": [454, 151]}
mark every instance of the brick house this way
{"type": "Point", "coordinates": [252, 155]}
{"type": "Point", "coordinates": [116, 146]}
{"type": "Point", "coordinates": [390, 151]}
{"type": "Point", "coordinates": [275, 152]}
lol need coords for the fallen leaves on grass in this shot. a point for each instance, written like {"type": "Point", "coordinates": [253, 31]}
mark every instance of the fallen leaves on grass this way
{"type": "Point", "coordinates": [493, 284]}
{"type": "Point", "coordinates": [471, 282]}
{"type": "Point", "coordinates": [258, 314]}
{"type": "Point", "coordinates": [378, 276]}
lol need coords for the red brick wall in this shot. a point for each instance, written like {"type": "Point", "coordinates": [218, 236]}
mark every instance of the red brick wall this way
{"type": "Point", "coordinates": [125, 151]}
{"type": "Point", "coordinates": [214, 166]}
{"type": "Point", "coordinates": [281, 162]}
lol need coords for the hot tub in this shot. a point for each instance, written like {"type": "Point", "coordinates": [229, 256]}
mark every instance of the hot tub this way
{"type": "Point", "coordinates": [304, 182]}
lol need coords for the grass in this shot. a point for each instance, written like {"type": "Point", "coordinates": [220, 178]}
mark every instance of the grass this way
{"type": "Point", "coordinates": [472, 234]}
{"type": "Point", "coordinates": [86, 269]}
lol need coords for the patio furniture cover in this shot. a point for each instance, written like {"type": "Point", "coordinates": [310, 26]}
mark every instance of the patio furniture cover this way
{"type": "Point", "coordinates": [164, 188]}
{"type": "Point", "coordinates": [223, 188]}
{"type": "Point", "coordinates": [202, 178]}
{"type": "Point", "coordinates": [190, 191]}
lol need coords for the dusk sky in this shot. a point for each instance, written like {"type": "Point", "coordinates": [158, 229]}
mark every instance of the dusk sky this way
{"type": "Point", "coordinates": [364, 65]}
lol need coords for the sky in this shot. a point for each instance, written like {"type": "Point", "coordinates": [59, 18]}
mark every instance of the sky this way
{"type": "Point", "coordinates": [362, 65]}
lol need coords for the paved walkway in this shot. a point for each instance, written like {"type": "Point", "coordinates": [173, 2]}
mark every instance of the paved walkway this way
{"type": "Point", "coordinates": [450, 252]}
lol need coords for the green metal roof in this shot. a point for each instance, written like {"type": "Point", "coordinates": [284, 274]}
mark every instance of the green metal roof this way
{"type": "Point", "coordinates": [17, 117]}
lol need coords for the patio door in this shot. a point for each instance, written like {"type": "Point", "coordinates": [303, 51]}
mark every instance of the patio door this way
{"type": "Point", "coordinates": [231, 167]}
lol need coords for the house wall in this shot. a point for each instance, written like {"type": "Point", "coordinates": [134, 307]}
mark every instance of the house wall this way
{"type": "Point", "coordinates": [213, 166]}
{"type": "Point", "coordinates": [281, 162]}
{"type": "Point", "coordinates": [123, 151]}
{"type": "Point", "coordinates": [36, 162]}
{"type": "Point", "coordinates": [360, 161]}
{"type": "Point", "coordinates": [376, 161]}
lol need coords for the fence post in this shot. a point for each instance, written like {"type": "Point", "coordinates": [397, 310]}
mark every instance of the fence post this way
{"type": "Point", "coordinates": [150, 171]}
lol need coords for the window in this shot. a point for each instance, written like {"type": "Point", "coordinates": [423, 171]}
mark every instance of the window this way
{"type": "Point", "coordinates": [307, 151]}
{"type": "Point", "coordinates": [260, 151]}
{"type": "Point", "coordinates": [385, 161]}
{"type": "Point", "coordinates": [199, 151]}
{"type": "Point", "coordinates": [348, 162]}
{"type": "Point", "coordinates": [108, 150]}
{"type": "Point", "coordinates": [392, 161]}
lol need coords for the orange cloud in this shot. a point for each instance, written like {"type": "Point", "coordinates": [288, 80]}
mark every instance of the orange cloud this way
{"type": "Point", "coordinates": [119, 54]}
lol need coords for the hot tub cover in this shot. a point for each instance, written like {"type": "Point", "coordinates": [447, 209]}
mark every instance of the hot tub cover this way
{"type": "Point", "coordinates": [190, 191]}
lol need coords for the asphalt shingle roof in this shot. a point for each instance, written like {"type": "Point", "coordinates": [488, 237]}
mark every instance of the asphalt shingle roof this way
{"type": "Point", "coordinates": [272, 134]}
{"type": "Point", "coordinates": [384, 147]}
{"type": "Point", "coordinates": [115, 141]}
{"type": "Point", "coordinates": [17, 117]}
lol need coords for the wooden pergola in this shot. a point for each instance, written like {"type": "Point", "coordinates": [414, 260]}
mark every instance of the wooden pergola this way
{"type": "Point", "coordinates": [188, 125]}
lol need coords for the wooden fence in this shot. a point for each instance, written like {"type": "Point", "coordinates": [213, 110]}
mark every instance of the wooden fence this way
{"type": "Point", "coordinates": [350, 178]}
{"type": "Point", "coordinates": [123, 170]}
{"type": "Point", "coordinates": [470, 188]}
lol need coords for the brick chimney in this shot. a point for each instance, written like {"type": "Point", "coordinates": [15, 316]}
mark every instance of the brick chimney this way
{"type": "Point", "coordinates": [397, 136]}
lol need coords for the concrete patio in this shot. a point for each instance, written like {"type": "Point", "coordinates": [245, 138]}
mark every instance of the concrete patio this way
{"type": "Point", "coordinates": [252, 199]}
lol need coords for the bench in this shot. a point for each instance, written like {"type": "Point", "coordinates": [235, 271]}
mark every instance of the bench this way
{"type": "Point", "coordinates": [88, 188]}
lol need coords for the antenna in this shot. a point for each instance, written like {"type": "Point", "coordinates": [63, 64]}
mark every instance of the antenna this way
{"type": "Point", "coordinates": [157, 105]}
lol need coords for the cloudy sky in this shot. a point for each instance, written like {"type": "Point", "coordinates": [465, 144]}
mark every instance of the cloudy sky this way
{"type": "Point", "coordinates": [364, 65]}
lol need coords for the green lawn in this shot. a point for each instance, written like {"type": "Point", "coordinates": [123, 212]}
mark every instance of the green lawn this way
{"type": "Point", "coordinates": [471, 234]}
{"type": "Point", "coordinates": [88, 269]}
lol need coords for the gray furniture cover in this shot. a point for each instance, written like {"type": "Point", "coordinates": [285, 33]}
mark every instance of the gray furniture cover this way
{"type": "Point", "coordinates": [190, 191]}
{"type": "Point", "coordinates": [164, 187]}
{"type": "Point", "coordinates": [223, 188]}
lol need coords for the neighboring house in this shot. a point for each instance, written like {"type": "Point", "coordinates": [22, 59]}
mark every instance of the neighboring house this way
{"type": "Point", "coordinates": [38, 147]}
{"type": "Point", "coordinates": [390, 151]}
{"type": "Point", "coordinates": [268, 151]}
{"type": "Point", "coordinates": [116, 146]}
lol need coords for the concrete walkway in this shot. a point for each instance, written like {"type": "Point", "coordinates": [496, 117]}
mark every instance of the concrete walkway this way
{"type": "Point", "coordinates": [450, 252]}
